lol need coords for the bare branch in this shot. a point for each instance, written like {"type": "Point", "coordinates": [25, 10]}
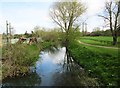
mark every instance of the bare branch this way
{"type": "Point", "coordinates": [57, 22]}
{"type": "Point", "coordinates": [66, 13]}
{"type": "Point", "coordinates": [104, 17]}
{"type": "Point", "coordinates": [77, 27]}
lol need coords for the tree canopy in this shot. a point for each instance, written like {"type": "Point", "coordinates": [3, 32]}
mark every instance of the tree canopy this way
{"type": "Point", "coordinates": [66, 14]}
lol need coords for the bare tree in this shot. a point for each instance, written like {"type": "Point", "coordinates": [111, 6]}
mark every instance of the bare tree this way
{"type": "Point", "coordinates": [111, 14]}
{"type": "Point", "coordinates": [66, 14]}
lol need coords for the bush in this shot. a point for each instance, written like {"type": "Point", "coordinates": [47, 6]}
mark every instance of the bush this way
{"type": "Point", "coordinates": [18, 58]}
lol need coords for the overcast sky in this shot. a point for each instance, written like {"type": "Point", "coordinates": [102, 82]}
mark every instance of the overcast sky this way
{"type": "Point", "coordinates": [26, 14]}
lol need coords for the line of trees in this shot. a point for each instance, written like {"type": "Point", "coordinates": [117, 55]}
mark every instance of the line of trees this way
{"type": "Point", "coordinates": [101, 33]}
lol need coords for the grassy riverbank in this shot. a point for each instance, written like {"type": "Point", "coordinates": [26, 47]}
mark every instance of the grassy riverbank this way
{"type": "Point", "coordinates": [97, 62]}
{"type": "Point", "coordinates": [18, 58]}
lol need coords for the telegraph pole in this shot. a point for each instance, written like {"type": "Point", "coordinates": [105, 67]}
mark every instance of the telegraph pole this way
{"type": "Point", "coordinates": [83, 28]}
{"type": "Point", "coordinates": [10, 27]}
{"type": "Point", "coordinates": [7, 32]}
{"type": "Point", "coordinates": [10, 32]}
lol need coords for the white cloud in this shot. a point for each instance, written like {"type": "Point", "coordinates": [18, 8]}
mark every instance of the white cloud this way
{"type": "Point", "coordinates": [94, 7]}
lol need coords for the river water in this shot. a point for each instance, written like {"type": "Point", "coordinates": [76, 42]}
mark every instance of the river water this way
{"type": "Point", "coordinates": [52, 69]}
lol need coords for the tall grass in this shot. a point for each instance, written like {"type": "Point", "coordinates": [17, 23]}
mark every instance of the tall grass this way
{"type": "Point", "coordinates": [18, 58]}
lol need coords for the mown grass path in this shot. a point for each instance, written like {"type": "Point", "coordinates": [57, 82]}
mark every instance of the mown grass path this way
{"type": "Point", "coordinates": [97, 45]}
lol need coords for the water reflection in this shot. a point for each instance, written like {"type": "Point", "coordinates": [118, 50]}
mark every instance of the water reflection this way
{"type": "Point", "coordinates": [48, 64]}
{"type": "Point", "coordinates": [52, 49]}
{"type": "Point", "coordinates": [55, 67]}
{"type": "Point", "coordinates": [72, 74]}
{"type": "Point", "coordinates": [59, 69]}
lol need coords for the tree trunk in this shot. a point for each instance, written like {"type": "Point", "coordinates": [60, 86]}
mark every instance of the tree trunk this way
{"type": "Point", "coordinates": [114, 40]}
{"type": "Point", "coordinates": [66, 39]}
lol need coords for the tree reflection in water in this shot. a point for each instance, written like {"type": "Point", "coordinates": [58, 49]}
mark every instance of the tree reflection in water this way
{"type": "Point", "coordinates": [69, 63]}
{"type": "Point", "coordinates": [73, 74]}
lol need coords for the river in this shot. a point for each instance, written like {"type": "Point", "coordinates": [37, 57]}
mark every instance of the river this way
{"type": "Point", "coordinates": [52, 69]}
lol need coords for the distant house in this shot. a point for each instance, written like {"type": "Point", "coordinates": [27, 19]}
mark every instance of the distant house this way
{"type": "Point", "coordinates": [87, 33]}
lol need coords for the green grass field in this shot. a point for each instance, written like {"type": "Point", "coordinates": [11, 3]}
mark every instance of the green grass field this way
{"type": "Point", "coordinates": [100, 40]}
{"type": "Point", "coordinates": [104, 38]}
{"type": "Point", "coordinates": [112, 52]}
{"type": "Point", "coordinates": [100, 63]}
